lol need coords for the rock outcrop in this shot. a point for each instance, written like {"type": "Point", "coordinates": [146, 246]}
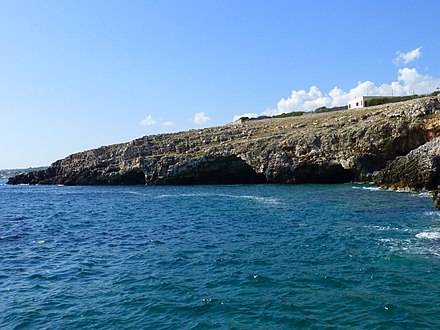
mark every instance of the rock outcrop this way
{"type": "Point", "coordinates": [331, 147]}
{"type": "Point", "coordinates": [418, 170]}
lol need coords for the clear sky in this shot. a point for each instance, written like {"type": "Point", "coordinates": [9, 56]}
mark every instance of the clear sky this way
{"type": "Point", "coordinates": [78, 74]}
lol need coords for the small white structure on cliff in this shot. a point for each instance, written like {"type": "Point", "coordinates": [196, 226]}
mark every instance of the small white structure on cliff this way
{"type": "Point", "coordinates": [361, 102]}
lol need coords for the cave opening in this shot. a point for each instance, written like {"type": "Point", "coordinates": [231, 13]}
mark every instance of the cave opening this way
{"type": "Point", "coordinates": [224, 170]}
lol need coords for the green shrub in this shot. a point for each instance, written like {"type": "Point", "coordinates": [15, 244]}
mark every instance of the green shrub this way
{"type": "Point", "coordinates": [325, 109]}
{"type": "Point", "coordinates": [290, 114]}
{"type": "Point", "coordinates": [393, 99]}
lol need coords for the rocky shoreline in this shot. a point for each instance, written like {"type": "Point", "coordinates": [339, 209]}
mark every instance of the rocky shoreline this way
{"type": "Point", "coordinates": [394, 145]}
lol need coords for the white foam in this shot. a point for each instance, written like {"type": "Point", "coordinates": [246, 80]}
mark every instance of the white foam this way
{"type": "Point", "coordinates": [396, 245]}
{"type": "Point", "coordinates": [429, 235]}
{"type": "Point", "coordinates": [423, 195]}
{"type": "Point", "coordinates": [432, 213]}
{"type": "Point", "coordinates": [388, 228]}
{"type": "Point", "coordinates": [182, 195]}
{"type": "Point", "coordinates": [258, 199]}
{"type": "Point", "coordinates": [380, 228]}
{"type": "Point", "coordinates": [372, 188]}
{"type": "Point", "coordinates": [264, 200]}
{"type": "Point", "coordinates": [416, 245]}
{"type": "Point", "coordinates": [369, 188]}
{"type": "Point", "coordinates": [135, 193]}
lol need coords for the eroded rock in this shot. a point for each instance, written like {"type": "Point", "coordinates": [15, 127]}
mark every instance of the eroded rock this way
{"type": "Point", "coordinates": [418, 170]}
{"type": "Point", "coordinates": [316, 148]}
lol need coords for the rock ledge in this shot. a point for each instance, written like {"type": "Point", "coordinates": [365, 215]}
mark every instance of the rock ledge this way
{"type": "Point", "coordinates": [392, 141]}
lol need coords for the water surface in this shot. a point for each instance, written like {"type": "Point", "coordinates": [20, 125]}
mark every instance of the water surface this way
{"type": "Point", "coordinates": [218, 257]}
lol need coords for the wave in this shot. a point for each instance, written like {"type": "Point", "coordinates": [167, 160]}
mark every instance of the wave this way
{"type": "Point", "coordinates": [422, 194]}
{"type": "Point", "coordinates": [136, 193]}
{"type": "Point", "coordinates": [387, 228]}
{"type": "Point", "coordinates": [180, 195]}
{"type": "Point", "coordinates": [413, 246]}
{"type": "Point", "coordinates": [258, 199]}
{"type": "Point", "coordinates": [430, 235]}
{"type": "Point", "coordinates": [264, 200]}
{"type": "Point", "coordinates": [368, 188]}
{"type": "Point", "coordinates": [423, 243]}
{"type": "Point", "coordinates": [432, 213]}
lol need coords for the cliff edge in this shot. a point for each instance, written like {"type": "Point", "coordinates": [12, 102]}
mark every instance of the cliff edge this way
{"type": "Point", "coordinates": [334, 147]}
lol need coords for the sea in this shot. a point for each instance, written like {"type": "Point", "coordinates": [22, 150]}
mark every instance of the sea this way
{"type": "Point", "coordinates": [347, 256]}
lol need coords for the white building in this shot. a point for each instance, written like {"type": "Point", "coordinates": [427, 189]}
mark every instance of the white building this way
{"type": "Point", "coordinates": [361, 102]}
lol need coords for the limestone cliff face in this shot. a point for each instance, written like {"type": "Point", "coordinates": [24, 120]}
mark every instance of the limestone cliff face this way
{"type": "Point", "coordinates": [333, 147]}
{"type": "Point", "coordinates": [418, 170]}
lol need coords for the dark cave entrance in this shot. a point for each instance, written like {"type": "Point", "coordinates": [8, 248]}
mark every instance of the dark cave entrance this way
{"type": "Point", "coordinates": [219, 170]}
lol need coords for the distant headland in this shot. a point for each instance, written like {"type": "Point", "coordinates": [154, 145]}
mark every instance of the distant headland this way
{"type": "Point", "coordinates": [9, 173]}
{"type": "Point", "coordinates": [395, 145]}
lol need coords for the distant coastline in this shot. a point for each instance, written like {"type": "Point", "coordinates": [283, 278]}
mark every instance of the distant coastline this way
{"type": "Point", "coordinates": [8, 173]}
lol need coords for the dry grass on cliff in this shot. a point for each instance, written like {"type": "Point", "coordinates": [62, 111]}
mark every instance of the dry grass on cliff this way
{"type": "Point", "coordinates": [375, 114]}
{"type": "Point", "coordinates": [259, 134]}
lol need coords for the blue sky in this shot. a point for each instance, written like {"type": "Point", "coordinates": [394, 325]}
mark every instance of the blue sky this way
{"type": "Point", "coordinates": [79, 74]}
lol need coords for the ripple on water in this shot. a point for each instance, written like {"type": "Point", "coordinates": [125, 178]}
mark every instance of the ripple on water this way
{"type": "Point", "coordinates": [264, 256]}
{"type": "Point", "coordinates": [258, 199]}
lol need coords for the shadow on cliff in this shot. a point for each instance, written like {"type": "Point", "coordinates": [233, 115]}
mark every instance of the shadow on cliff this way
{"type": "Point", "coordinates": [215, 170]}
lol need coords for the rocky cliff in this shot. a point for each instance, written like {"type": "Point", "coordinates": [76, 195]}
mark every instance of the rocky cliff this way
{"type": "Point", "coordinates": [332, 147]}
{"type": "Point", "coordinates": [418, 170]}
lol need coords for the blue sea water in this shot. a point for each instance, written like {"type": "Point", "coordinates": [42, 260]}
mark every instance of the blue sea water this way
{"type": "Point", "coordinates": [218, 257]}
